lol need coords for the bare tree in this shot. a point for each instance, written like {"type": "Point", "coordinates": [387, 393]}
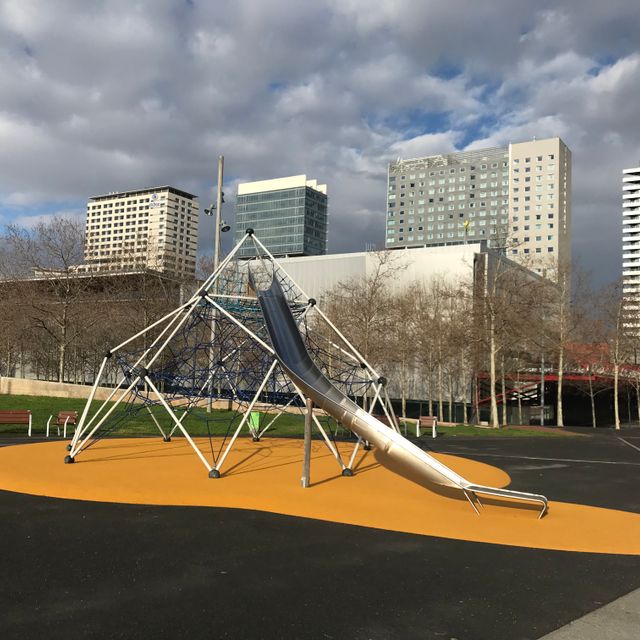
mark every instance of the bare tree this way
{"type": "Point", "coordinates": [364, 306]}
{"type": "Point", "coordinates": [507, 299]}
{"type": "Point", "coordinates": [47, 257]}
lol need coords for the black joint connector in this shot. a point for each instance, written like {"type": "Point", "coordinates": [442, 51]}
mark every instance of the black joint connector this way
{"type": "Point", "coordinates": [383, 381]}
{"type": "Point", "coordinates": [363, 365]}
{"type": "Point", "coordinates": [312, 302]}
{"type": "Point", "coordinates": [68, 460]}
{"type": "Point", "coordinates": [346, 472]}
{"type": "Point", "coordinates": [144, 372]}
{"type": "Point", "coordinates": [220, 363]}
{"type": "Point", "coordinates": [108, 354]}
{"type": "Point", "coordinates": [249, 231]}
{"type": "Point", "coordinates": [214, 473]}
{"type": "Point", "coordinates": [127, 374]}
{"type": "Point", "coordinates": [166, 439]}
{"type": "Point", "coordinates": [203, 293]}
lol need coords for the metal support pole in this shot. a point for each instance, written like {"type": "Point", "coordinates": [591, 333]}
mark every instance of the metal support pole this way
{"type": "Point", "coordinates": [542, 391]}
{"type": "Point", "coordinates": [306, 466]}
{"type": "Point", "coordinates": [216, 248]}
{"type": "Point", "coordinates": [216, 263]}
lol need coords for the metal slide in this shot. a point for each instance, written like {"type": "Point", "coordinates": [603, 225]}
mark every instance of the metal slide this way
{"type": "Point", "coordinates": [295, 360]}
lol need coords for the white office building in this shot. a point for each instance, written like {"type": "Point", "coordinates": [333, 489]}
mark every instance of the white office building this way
{"type": "Point", "coordinates": [142, 229]}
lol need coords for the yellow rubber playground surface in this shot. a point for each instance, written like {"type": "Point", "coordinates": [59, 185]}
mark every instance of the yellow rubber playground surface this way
{"type": "Point", "coordinates": [265, 476]}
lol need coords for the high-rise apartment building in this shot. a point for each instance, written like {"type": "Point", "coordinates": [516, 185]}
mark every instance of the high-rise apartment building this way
{"type": "Point", "coordinates": [540, 204]}
{"type": "Point", "coordinates": [289, 215]}
{"type": "Point", "coordinates": [517, 198]}
{"type": "Point", "coordinates": [143, 229]}
{"type": "Point", "coordinates": [631, 241]}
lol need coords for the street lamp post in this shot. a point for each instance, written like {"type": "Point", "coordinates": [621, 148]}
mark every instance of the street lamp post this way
{"type": "Point", "coordinates": [219, 201]}
{"type": "Point", "coordinates": [218, 227]}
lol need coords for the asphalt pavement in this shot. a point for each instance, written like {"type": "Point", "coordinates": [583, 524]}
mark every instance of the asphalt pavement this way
{"type": "Point", "coordinates": [72, 569]}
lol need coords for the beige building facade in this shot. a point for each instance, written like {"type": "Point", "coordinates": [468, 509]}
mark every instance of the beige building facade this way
{"type": "Point", "coordinates": [142, 229]}
{"type": "Point", "coordinates": [540, 204]}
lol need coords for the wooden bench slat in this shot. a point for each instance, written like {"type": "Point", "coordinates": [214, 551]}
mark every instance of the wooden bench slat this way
{"type": "Point", "coordinates": [70, 417]}
{"type": "Point", "coordinates": [15, 416]}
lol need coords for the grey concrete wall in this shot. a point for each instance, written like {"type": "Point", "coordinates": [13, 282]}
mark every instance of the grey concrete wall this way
{"type": "Point", "coordinates": [27, 387]}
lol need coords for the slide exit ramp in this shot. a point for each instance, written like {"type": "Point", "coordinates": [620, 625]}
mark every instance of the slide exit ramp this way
{"type": "Point", "coordinates": [294, 358]}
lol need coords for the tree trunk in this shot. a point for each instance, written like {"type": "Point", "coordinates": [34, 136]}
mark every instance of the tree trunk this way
{"type": "Point", "coordinates": [476, 399]}
{"type": "Point", "coordinates": [519, 397]}
{"type": "Point", "coordinates": [440, 394]}
{"type": "Point", "coordinates": [492, 374]}
{"type": "Point", "coordinates": [451, 416]}
{"type": "Point", "coordinates": [560, 416]}
{"type": "Point", "coordinates": [463, 379]}
{"type": "Point", "coordinates": [616, 407]}
{"type": "Point", "coordinates": [593, 402]}
{"type": "Point", "coordinates": [8, 373]}
{"type": "Point", "coordinates": [504, 394]}
{"type": "Point", "coordinates": [61, 361]}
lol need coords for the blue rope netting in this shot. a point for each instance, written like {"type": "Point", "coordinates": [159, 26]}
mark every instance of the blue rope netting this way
{"type": "Point", "coordinates": [211, 358]}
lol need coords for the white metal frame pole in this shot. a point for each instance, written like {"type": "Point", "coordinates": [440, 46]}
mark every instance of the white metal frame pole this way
{"type": "Point", "coordinates": [178, 423]}
{"type": "Point", "coordinates": [239, 324]}
{"type": "Point", "coordinates": [152, 325]}
{"type": "Point", "coordinates": [390, 412]}
{"type": "Point", "coordinates": [244, 418]}
{"type": "Point", "coordinates": [355, 450]}
{"type": "Point", "coordinates": [79, 431]}
{"type": "Point", "coordinates": [326, 438]}
{"type": "Point", "coordinates": [92, 394]}
{"type": "Point", "coordinates": [221, 267]}
{"type": "Point", "coordinates": [306, 464]}
{"type": "Point", "coordinates": [75, 450]}
{"type": "Point", "coordinates": [280, 412]}
{"type": "Point", "coordinates": [78, 448]}
{"type": "Point", "coordinates": [164, 435]}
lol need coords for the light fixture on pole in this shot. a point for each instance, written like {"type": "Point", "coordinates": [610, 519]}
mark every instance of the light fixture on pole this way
{"type": "Point", "coordinates": [216, 261]}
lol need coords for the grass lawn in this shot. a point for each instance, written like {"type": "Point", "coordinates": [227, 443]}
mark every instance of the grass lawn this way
{"type": "Point", "coordinates": [137, 421]}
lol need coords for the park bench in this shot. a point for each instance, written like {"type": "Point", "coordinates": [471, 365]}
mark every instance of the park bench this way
{"type": "Point", "coordinates": [16, 416]}
{"type": "Point", "coordinates": [63, 419]}
{"type": "Point", "coordinates": [427, 422]}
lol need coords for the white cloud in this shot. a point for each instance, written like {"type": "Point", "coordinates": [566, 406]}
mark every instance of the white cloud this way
{"type": "Point", "coordinates": [97, 97]}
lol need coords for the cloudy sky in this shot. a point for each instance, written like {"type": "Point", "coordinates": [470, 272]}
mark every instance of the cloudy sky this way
{"type": "Point", "coordinates": [104, 95]}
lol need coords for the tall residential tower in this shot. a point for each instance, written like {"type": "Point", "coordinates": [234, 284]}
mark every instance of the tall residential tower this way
{"type": "Point", "coordinates": [289, 215]}
{"type": "Point", "coordinates": [631, 240]}
{"type": "Point", "coordinates": [518, 198]}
